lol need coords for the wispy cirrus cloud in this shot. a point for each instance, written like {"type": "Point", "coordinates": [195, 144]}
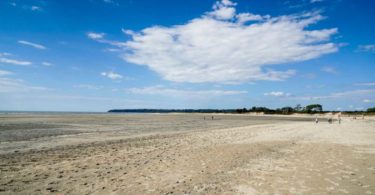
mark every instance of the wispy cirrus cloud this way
{"type": "Point", "coordinates": [223, 46]}
{"type": "Point", "coordinates": [366, 84]}
{"type": "Point", "coordinates": [111, 2]}
{"type": "Point", "coordinates": [345, 94]}
{"type": "Point", "coordinates": [95, 36]}
{"type": "Point", "coordinates": [35, 45]}
{"type": "Point", "coordinates": [329, 69]}
{"type": "Point", "coordinates": [316, 1]}
{"type": "Point", "coordinates": [278, 94]}
{"type": "Point", "coordinates": [35, 8]}
{"type": "Point", "coordinates": [5, 72]}
{"type": "Point", "coordinates": [366, 48]}
{"type": "Point", "coordinates": [14, 62]}
{"type": "Point", "coordinates": [112, 75]}
{"type": "Point", "coordinates": [88, 86]}
{"type": "Point", "coordinates": [47, 64]}
{"type": "Point", "coordinates": [164, 91]}
{"type": "Point", "coordinates": [368, 101]}
{"type": "Point", "coordinates": [5, 54]}
{"type": "Point", "coordinates": [100, 37]}
{"type": "Point", "coordinates": [4, 58]}
{"type": "Point", "coordinates": [10, 85]}
{"type": "Point", "coordinates": [112, 50]}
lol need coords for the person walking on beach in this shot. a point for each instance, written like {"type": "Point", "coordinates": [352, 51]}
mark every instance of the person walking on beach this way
{"type": "Point", "coordinates": [316, 120]}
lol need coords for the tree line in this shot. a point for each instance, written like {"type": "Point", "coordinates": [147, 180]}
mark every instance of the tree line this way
{"type": "Point", "coordinates": [312, 108]}
{"type": "Point", "coordinates": [309, 109]}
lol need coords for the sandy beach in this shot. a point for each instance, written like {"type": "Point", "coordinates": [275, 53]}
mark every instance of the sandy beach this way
{"type": "Point", "coordinates": [184, 154]}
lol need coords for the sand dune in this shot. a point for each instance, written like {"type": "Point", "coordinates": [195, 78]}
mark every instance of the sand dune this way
{"type": "Point", "coordinates": [239, 156]}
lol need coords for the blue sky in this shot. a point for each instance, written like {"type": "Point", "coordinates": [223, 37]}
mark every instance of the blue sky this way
{"type": "Point", "coordinates": [96, 55]}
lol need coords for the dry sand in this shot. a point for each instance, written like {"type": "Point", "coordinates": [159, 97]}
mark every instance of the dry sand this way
{"type": "Point", "coordinates": [184, 154]}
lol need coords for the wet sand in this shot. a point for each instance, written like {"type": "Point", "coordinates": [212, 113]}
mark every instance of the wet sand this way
{"type": "Point", "coordinates": [184, 154]}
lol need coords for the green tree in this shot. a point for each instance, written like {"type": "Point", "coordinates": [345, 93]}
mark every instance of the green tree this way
{"type": "Point", "coordinates": [243, 110]}
{"type": "Point", "coordinates": [298, 108]}
{"type": "Point", "coordinates": [314, 108]}
{"type": "Point", "coordinates": [371, 109]}
{"type": "Point", "coordinates": [259, 109]}
{"type": "Point", "coordinates": [287, 110]}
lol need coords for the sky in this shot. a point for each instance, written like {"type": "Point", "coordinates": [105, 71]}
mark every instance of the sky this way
{"type": "Point", "coordinates": [96, 55]}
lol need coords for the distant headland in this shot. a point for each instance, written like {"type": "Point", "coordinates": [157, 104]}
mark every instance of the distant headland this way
{"type": "Point", "coordinates": [174, 110]}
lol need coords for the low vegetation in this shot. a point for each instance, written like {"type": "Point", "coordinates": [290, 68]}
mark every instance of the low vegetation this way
{"type": "Point", "coordinates": [308, 109]}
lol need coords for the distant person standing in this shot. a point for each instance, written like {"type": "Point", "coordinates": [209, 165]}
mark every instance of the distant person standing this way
{"type": "Point", "coordinates": [316, 120]}
{"type": "Point", "coordinates": [339, 119]}
{"type": "Point", "coordinates": [212, 117]}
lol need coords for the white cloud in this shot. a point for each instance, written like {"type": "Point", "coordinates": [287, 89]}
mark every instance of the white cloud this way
{"type": "Point", "coordinates": [19, 4]}
{"type": "Point", "coordinates": [223, 10]}
{"type": "Point", "coordinates": [315, 1]}
{"type": "Point", "coordinates": [277, 94]}
{"type": "Point", "coordinates": [329, 69]}
{"type": "Point", "coordinates": [111, 2]}
{"type": "Point", "coordinates": [224, 3]}
{"type": "Point", "coordinates": [35, 8]}
{"type": "Point", "coordinates": [99, 37]}
{"type": "Point", "coordinates": [5, 59]}
{"type": "Point", "coordinates": [47, 64]}
{"type": "Point", "coordinates": [35, 45]}
{"type": "Point", "coordinates": [87, 86]}
{"type": "Point", "coordinates": [353, 92]}
{"type": "Point", "coordinates": [366, 84]}
{"type": "Point", "coordinates": [8, 85]}
{"type": "Point", "coordinates": [14, 62]}
{"type": "Point", "coordinates": [367, 48]}
{"type": "Point", "coordinates": [160, 90]}
{"type": "Point", "coordinates": [5, 54]}
{"type": "Point", "coordinates": [4, 72]}
{"type": "Point", "coordinates": [218, 47]}
{"type": "Point", "coordinates": [346, 94]}
{"type": "Point", "coordinates": [246, 17]}
{"type": "Point", "coordinates": [112, 50]}
{"type": "Point", "coordinates": [368, 101]}
{"type": "Point", "coordinates": [95, 36]}
{"type": "Point", "coordinates": [112, 75]}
